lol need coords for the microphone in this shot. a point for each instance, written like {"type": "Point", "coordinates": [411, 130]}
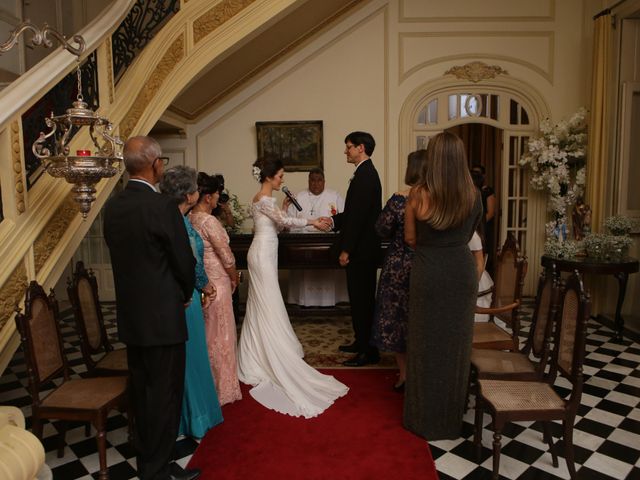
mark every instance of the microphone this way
{"type": "Point", "coordinates": [286, 191]}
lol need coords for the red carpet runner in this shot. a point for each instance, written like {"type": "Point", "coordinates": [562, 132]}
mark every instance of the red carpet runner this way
{"type": "Point", "coordinates": [359, 437]}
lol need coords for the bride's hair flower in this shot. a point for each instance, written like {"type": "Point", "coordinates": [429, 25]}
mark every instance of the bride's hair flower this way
{"type": "Point", "coordinates": [256, 173]}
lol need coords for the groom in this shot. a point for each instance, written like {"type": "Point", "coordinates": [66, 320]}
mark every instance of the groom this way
{"type": "Point", "coordinates": [359, 244]}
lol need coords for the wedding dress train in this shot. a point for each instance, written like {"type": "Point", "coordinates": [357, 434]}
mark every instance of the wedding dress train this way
{"type": "Point", "coordinates": [270, 357]}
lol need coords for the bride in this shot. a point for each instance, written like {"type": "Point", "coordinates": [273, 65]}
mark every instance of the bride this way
{"type": "Point", "coordinates": [270, 355]}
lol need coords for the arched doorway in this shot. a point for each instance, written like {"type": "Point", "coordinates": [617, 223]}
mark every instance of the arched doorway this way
{"type": "Point", "coordinates": [483, 144]}
{"type": "Point", "coordinates": [508, 112]}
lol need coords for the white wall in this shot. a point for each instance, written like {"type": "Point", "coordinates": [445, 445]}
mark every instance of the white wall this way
{"type": "Point", "coordinates": [358, 74]}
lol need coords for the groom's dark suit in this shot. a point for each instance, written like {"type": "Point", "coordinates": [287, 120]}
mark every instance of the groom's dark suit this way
{"type": "Point", "coordinates": [358, 237]}
{"type": "Point", "coordinates": [154, 273]}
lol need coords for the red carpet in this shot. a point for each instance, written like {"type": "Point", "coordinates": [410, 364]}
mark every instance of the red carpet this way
{"type": "Point", "coordinates": [358, 437]}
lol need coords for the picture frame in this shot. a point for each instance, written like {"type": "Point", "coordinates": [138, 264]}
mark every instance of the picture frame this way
{"type": "Point", "coordinates": [298, 144]}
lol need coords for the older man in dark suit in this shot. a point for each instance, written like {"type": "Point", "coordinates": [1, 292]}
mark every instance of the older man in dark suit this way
{"type": "Point", "coordinates": [359, 245]}
{"type": "Point", "coordinates": [154, 273]}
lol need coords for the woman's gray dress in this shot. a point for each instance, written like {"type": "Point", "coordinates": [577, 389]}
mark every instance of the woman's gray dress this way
{"type": "Point", "coordinates": [442, 298]}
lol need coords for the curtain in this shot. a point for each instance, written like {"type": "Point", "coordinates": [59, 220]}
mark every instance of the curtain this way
{"type": "Point", "coordinates": [598, 149]}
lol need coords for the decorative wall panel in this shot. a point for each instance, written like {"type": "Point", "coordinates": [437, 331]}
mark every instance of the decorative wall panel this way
{"type": "Point", "coordinates": [174, 54]}
{"type": "Point", "coordinates": [110, 80]}
{"type": "Point", "coordinates": [476, 71]}
{"type": "Point", "coordinates": [533, 50]}
{"type": "Point", "coordinates": [53, 231]}
{"type": "Point", "coordinates": [16, 161]}
{"type": "Point", "coordinates": [11, 292]}
{"type": "Point", "coordinates": [215, 17]}
{"type": "Point", "coordinates": [466, 11]}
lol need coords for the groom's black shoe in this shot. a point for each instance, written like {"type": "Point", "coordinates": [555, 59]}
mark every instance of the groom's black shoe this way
{"type": "Point", "coordinates": [178, 473]}
{"type": "Point", "coordinates": [362, 359]}
{"type": "Point", "coordinates": [350, 348]}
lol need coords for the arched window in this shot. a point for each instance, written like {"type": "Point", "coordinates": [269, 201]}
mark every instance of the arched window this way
{"type": "Point", "coordinates": [508, 114]}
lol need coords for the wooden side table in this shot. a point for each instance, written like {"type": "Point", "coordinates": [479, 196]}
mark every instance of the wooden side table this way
{"type": "Point", "coordinates": [585, 265]}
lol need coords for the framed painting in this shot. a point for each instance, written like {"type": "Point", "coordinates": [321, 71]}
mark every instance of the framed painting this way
{"type": "Point", "coordinates": [297, 144]}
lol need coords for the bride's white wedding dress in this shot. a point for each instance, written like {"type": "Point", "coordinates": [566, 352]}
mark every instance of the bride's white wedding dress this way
{"type": "Point", "coordinates": [270, 355]}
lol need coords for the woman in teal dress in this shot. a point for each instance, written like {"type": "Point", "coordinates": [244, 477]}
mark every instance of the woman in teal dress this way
{"type": "Point", "coordinates": [200, 407]}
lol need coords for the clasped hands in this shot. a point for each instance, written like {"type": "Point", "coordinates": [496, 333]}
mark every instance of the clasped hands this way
{"type": "Point", "coordinates": [322, 223]}
{"type": "Point", "coordinates": [208, 294]}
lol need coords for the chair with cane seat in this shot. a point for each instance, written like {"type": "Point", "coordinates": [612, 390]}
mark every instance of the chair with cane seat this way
{"type": "Point", "coordinates": [82, 289]}
{"type": "Point", "coordinates": [507, 365]}
{"type": "Point", "coordinates": [510, 271]}
{"type": "Point", "coordinates": [513, 401]}
{"type": "Point", "coordinates": [84, 400]}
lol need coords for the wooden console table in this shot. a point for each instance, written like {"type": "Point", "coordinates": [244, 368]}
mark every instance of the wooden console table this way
{"type": "Point", "coordinates": [585, 265]}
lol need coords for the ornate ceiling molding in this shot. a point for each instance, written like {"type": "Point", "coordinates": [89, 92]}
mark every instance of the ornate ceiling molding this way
{"type": "Point", "coordinates": [212, 19]}
{"type": "Point", "coordinates": [53, 231]}
{"type": "Point", "coordinates": [16, 161]}
{"type": "Point", "coordinates": [476, 71]}
{"type": "Point", "coordinates": [174, 54]}
{"type": "Point", "coordinates": [12, 292]}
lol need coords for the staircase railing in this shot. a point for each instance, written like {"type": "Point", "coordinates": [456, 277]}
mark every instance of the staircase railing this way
{"type": "Point", "coordinates": [41, 228]}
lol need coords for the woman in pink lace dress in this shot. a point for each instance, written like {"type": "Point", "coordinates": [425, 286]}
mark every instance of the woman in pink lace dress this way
{"type": "Point", "coordinates": [220, 265]}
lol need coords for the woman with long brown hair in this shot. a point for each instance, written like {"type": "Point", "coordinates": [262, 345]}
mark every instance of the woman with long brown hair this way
{"type": "Point", "coordinates": [441, 215]}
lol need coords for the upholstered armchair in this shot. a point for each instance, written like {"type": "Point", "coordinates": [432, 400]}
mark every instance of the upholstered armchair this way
{"type": "Point", "coordinates": [21, 453]}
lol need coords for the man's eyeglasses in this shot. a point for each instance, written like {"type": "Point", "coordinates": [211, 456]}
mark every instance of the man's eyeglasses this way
{"type": "Point", "coordinates": [164, 160]}
{"type": "Point", "coordinates": [349, 146]}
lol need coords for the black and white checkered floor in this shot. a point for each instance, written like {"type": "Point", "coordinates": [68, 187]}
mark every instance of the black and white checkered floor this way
{"type": "Point", "coordinates": [606, 434]}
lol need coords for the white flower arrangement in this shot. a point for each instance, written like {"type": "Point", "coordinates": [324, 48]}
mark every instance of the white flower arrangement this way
{"type": "Point", "coordinates": [606, 246]}
{"type": "Point", "coordinates": [256, 173]}
{"type": "Point", "coordinates": [556, 159]}
{"type": "Point", "coordinates": [238, 211]}
{"type": "Point", "coordinates": [619, 225]}
{"type": "Point", "coordinates": [557, 248]}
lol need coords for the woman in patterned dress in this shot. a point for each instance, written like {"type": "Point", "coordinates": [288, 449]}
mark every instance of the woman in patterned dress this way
{"type": "Point", "coordinates": [392, 301]}
{"type": "Point", "coordinates": [220, 266]}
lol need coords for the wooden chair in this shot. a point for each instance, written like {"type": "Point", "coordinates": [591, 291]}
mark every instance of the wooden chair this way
{"type": "Point", "coordinates": [82, 289]}
{"type": "Point", "coordinates": [84, 400]}
{"type": "Point", "coordinates": [506, 365]}
{"type": "Point", "coordinates": [510, 271]}
{"type": "Point", "coordinates": [515, 401]}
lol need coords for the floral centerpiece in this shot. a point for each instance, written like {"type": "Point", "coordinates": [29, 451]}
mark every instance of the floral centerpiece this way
{"type": "Point", "coordinates": [618, 225]}
{"type": "Point", "coordinates": [556, 162]}
{"type": "Point", "coordinates": [558, 248]}
{"type": "Point", "coordinates": [606, 246]}
{"type": "Point", "coordinates": [613, 245]}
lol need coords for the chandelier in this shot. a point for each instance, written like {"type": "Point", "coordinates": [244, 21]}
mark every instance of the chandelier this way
{"type": "Point", "coordinates": [88, 166]}
{"type": "Point", "coordinates": [83, 169]}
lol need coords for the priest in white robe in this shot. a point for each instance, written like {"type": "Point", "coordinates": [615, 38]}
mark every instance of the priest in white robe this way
{"type": "Point", "coordinates": [317, 288]}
